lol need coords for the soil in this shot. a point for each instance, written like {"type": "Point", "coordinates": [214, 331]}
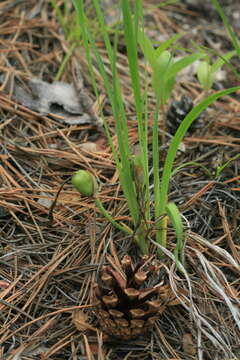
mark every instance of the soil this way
{"type": "Point", "coordinates": [50, 256]}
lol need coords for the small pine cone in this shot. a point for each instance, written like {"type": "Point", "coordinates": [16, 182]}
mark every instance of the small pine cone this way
{"type": "Point", "coordinates": [177, 112]}
{"type": "Point", "coordinates": [129, 299]}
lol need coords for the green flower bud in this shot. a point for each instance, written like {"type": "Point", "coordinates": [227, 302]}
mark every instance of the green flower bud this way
{"type": "Point", "coordinates": [205, 75]}
{"type": "Point", "coordinates": [85, 183]}
{"type": "Point", "coordinates": [164, 61]}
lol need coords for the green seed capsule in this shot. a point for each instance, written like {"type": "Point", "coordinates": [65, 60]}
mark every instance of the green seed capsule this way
{"type": "Point", "coordinates": [85, 183]}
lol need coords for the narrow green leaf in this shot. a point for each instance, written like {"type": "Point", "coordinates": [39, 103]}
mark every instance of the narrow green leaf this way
{"type": "Point", "coordinates": [222, 60]}
{"type": "Point", "coordinates": [232, 34]}
{"type": "Point", "coordinates": [222, 167]}
{"type": "Point", "coordinates": [182, 63]}
{"type": "Point", "coordinates": [130, 40]}
{"type": "Point", "coordinates": [160, 83]}
{"type": "Point", "coordinates": [166, 44]}
{"type": "Point", "coordinates": [168, 87]}
{"type": "Point", "coordinates": [131, 34]}
{"type": "Point", "coordinates": [115, 97]}
{"type": "Point", "coordinates": [173, 148]}
{"type": "Point", "coordinates": [176, 220]}
{"type": "Point", "coordinates": [147, 48]}
{"type": "Point", "coordinates": [192, 163]}
{"type": "Point", "coordinates": [155, 154]}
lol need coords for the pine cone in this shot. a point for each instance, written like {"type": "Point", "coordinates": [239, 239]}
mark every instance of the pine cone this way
{"type": "Point", "coordinates": [177, 112]}
{"type": "Point", "coordinates": [131, 297]}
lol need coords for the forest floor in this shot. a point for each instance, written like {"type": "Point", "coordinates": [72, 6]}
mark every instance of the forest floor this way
{"type": "Point", "coordinates": [49, 256]}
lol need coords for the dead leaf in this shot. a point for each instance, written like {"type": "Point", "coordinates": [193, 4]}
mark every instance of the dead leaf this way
{"type": "Point", "coordinates": [80, 320]}
{"type": "Point", "coordinates": [68, 198]}
{"type": "Point", "coordinates": [45, 200]}
{"type": "Point", "coordinates": [188, 344]}
{"type": "Point", "coordinates": [89, 146]}
{"type": "Point", "coordinates": [59, 99]}
{"type": "Point", "coordinates": [4, 284]}
{"type": "Point", "coordinates": [32, 351]}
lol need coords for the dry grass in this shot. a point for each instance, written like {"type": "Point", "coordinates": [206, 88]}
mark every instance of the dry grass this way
{"type": "Point", "coordinates": [48, 268]}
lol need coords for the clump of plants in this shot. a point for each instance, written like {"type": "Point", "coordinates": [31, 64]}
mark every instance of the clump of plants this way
{"type": "Point", "coordinates": [132, 294]}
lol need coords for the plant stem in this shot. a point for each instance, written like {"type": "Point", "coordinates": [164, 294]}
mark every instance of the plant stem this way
{"type": "Point", "coordinates": [100, 206]}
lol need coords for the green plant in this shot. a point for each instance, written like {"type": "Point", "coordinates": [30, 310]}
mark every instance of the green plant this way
{"type": "Point", "coordinates": [86, 184]}
{"type": "Point", "coordinates": [206, 72]}
{"type": "Point", "coordinates": [231, 33]}
{"type": "Point", "coordinates": [220, 168]}
{"type": "Point", "coordinates": [164, 66]}
{"type": "Point", "coordinates": [71, 32]}
{"type": "Point", "coordinates": [134, 171]}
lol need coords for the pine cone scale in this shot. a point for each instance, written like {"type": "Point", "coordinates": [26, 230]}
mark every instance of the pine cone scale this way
{"type": "Point", "coordinates": [128, 305]}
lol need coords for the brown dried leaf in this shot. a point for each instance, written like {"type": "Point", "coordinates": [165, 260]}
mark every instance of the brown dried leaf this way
{"type": "Point", "coordinates": [89, 146]}
{"type": "Point", "coordinates": [68, 197]}
{"type": "Point", "coordinates": [4, 284]}
{"type": "Point", "coordinates": [59, 98]}
{"type": "Point", "coordinates": [188, 344]}
{"type": "Point", "coordinates": [80, 320]}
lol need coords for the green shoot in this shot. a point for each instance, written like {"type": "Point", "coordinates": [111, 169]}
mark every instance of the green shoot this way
{"type": "Point", "coordinates": [105, 213]}
{"type": "Point", "coordinates": [164, 71]}
{"type": "Point", "coordinates": [86, 184]}
{"type": "Point", "coordinates": [117, 102]}
{"type": "Point", "coordinates": [222, 167]}
{"type": "Point", "coordinates": [175, 218]}
{"type": "Point", "coordinates": [173, 148]}
{"type": "Point", "coordinates": [192, 163]}
{"type": "Point", "coordinates": [231, 33]}
{"type": "Point", "coordinates": [206, 72]}
{"type": "Point", "coordinates": [64, 62]}
{"type": "Point", "coordinates": [164, 67]}
{"type": "Point", "coordinates": [133, 168]}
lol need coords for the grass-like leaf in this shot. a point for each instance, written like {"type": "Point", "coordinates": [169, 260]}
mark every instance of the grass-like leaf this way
{"type": "Point", "coordinates": [176, 220]}
{"type": "Point", "coordinates": [173, 148]}
{"type": "Point", "coordinates": [182, 64]}
{"type": "Point", "coordinates": [232, 34]}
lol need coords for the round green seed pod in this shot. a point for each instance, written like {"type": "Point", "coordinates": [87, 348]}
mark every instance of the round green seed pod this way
{"type": "Point", "coordinates": [85, 183]}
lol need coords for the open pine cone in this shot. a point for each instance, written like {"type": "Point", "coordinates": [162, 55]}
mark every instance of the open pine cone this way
{"type": "Point", "coordinates": [131, 297]}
